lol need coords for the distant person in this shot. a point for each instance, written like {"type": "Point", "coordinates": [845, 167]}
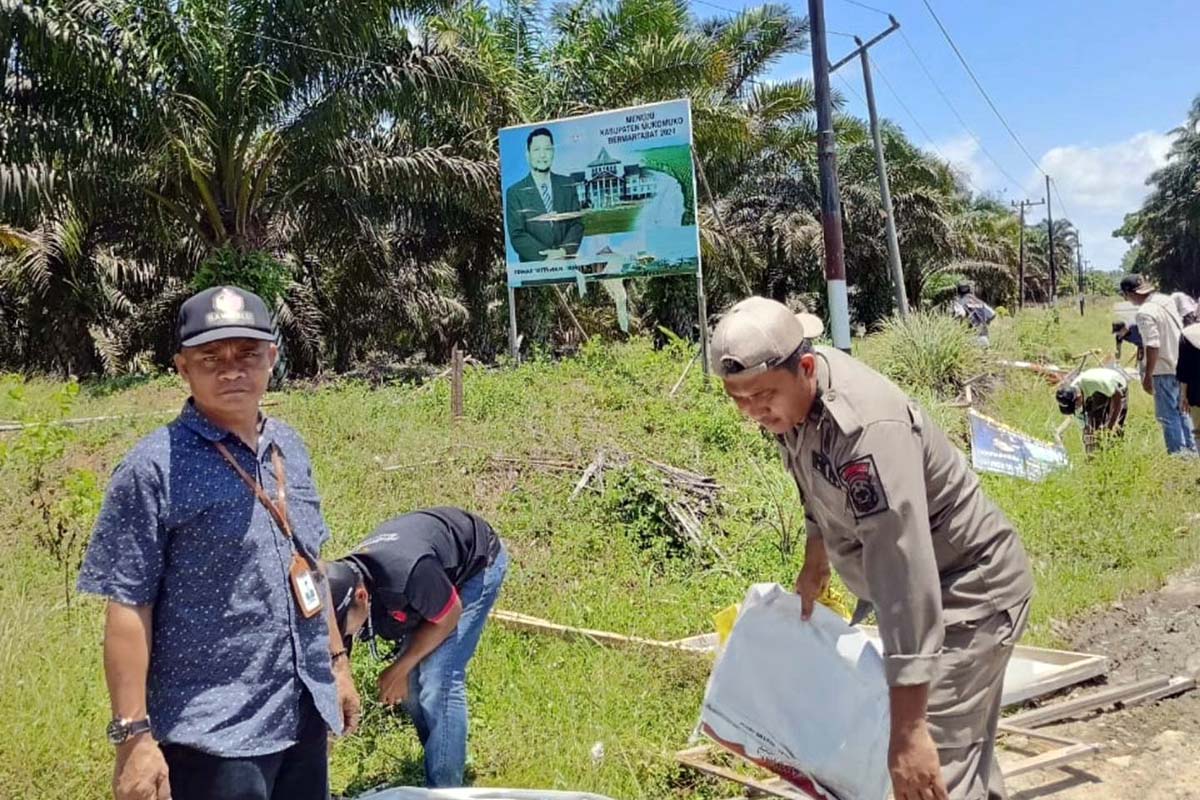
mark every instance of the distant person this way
{"type": "Point", "coordinates": [1187, 308]}
{"type": "Point", "coordinates": [970, 309]}
{"type": "Point", "coordinates": [1124, 332]}
{"type": "Point", "coordinates": [224, 670]}
{"type": "Point", "coordinates": [1099, 399]}
{"type": "Point", "coordinates": [1188, 373]}
{"type": "Point", "coordinates": [542, 192]}
{"type": "Point", "coordinates": [425, 581]}
{"type": "Point", "coordinates": [1161, 328]}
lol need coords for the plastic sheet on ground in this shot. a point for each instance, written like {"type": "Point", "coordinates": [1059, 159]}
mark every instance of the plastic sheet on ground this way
{"type": "Point", "coordinates": [806, 700]}
{"type": "Point", "coordinates": [412, 793]}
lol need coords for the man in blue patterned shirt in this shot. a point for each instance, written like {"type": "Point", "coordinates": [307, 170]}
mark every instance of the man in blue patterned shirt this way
{"type": "Point", "coordinates": [225, 669]}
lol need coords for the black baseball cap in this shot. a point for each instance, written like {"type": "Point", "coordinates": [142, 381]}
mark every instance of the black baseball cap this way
{"type": "Point", "coordinates": [224, 312]}
{"type": "Point", "coordinates": [344, 576]}
{"type": "Point", "coordinates": [1067, 396]}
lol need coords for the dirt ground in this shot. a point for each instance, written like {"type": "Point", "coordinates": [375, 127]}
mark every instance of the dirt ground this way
{"type": "Point", "coordinates": [1151, 752]}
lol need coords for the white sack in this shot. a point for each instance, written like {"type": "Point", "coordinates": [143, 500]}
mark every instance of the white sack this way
{"type": "Point", "coordinates": [807, 700]}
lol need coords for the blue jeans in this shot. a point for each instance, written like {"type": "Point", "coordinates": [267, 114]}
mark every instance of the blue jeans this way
{"type": "Point", "coordinates": [1177, 426]}
{"type": "Point", "coordinates": [437, 689]}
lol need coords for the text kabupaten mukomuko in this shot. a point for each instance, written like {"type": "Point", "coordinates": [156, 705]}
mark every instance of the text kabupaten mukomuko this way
{"type": "Point", "coordinates": [642, 126]}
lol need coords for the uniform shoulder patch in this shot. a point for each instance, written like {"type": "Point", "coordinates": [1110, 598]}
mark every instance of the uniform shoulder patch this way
{"type": "Point", "coordinates": [863, 487]}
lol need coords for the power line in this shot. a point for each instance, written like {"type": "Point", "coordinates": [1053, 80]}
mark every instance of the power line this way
{"type": "Point", "coordinates": [979, 86]}
{"type": "Point", "coordinates": [850, 86]}
{"type": "Point", "coordinates": [917, 122]}
{"type": "Point", "coordinates": [949, 104]}
{"type": "Point", "coordinates": [1066, 211]}
{"type": "Point", "coordinates": [867, 7]}
{"type": "Point", "coordinates": [324, 51]}
{"type": "Point", "coordinates": [726, 9]}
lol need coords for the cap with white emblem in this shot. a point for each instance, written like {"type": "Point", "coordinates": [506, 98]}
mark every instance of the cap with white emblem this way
{"type": "Point", "coordinates": [224, 312]}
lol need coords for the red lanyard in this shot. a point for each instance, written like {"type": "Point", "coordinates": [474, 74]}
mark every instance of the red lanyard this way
{"type": "Point", "coordinates": [278, 507]}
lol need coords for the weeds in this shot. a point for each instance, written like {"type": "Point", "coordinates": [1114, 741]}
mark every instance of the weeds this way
{"type": "Point", "coordinates": [65, 505]}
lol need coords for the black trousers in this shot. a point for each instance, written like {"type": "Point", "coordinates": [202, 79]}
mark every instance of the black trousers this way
{"type": "Point", "coordinates": [300, 772]}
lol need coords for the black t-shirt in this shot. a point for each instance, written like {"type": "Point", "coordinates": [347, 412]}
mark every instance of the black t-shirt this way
{"type": "Point", "coordinates": [415, 564]}
{"type": "Point", "coordinates": [1187, 370]}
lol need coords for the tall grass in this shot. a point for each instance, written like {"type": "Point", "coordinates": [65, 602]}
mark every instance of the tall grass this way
{"type": "Point", "coordinates": [930, 352]}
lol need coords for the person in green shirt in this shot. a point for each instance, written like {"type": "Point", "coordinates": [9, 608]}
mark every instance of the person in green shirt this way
{"type": "Point", "coordinates": [1099, 399]}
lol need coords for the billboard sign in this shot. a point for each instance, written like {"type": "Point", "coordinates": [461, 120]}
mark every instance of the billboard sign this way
{"type": "Point", "coordinates": [603, 196]}
{"type": "Point", "coordinates": [999, 449]}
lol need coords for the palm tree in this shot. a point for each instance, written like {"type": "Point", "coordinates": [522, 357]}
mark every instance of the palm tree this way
{"type": "Point", "coordinates": [1037, 268]}
{"type": "Point", "coordinates": [244, 126]}
{"type": "Point", "coordinates": [1166, 230]}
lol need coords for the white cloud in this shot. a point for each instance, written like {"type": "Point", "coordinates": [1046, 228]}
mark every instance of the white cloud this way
{"type": "Point", "coordinates": [965, 156]}
{"type": "Point", "coordinates": [1100, 184]}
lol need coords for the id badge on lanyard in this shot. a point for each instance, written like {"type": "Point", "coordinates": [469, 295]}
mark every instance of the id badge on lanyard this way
{"type": "Point", "coordinates": [300, 573]}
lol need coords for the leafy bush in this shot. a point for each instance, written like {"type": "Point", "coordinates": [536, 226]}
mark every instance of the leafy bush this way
{"type": "Point", "coordinates": [930, 352]}
{"type": "Point", "coordinates": [254, 271]}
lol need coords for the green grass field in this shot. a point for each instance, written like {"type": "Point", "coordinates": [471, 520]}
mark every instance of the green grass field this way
{"type": "Point", "coordinates": [1103, 528]}
{"type": "Point", "coordinates": [611, 220]}
{"type": "Point", "coordinates": [676, 161]}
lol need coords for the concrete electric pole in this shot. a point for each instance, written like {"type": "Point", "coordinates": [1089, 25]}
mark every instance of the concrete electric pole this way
{"type": "Point", "coordinates": [1021, 248]}
{"type": "Point", "coordinates": [1050, 236]}
{"type": "Point", "coordinates": [885, 192]}
{"type": "Point", "coordinates": [1079, 263]}
{"type": "Point", "coordinates": [831, 206]}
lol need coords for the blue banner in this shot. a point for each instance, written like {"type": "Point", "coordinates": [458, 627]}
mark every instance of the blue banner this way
{"type": "Point", "coordinates": [604, 196]}
{"type": "Point", "coordinates": [999, 449]}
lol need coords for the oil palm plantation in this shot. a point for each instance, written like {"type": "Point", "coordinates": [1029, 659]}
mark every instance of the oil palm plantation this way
{"type": "Point", "coordinates": [341, 157]}
{"type": "Point", "coordinates": [245, 126]}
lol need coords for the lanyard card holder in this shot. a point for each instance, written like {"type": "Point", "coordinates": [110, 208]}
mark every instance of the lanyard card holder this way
{"type": "Point", "coordinates": [300, 574]}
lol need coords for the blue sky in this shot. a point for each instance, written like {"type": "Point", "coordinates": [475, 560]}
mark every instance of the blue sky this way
{"type": "Point", "coordinates": [1091, 88]}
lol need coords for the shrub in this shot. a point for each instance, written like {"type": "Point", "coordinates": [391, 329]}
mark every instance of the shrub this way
{"type": "Point", "coordinates": [930, 352]}
{"type": "Point", "coordinates": [254, 271]}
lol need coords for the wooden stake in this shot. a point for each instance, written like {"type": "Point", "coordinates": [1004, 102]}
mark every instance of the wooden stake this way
{"type": "Point", "coordinates": [684, 375]}
{"type": "Point", "coordinates": [567, 307]}
{"type": "Point", "coordinates": [456, 384]}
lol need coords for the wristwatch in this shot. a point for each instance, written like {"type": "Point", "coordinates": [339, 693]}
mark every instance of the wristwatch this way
{"type": "Point", "coordinates": [121, 730]}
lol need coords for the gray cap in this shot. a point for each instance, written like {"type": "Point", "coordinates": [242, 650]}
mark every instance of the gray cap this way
{"type": "Point", "coordinates": [758, 334]}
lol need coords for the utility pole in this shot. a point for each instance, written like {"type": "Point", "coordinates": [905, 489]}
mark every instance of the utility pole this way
{"type": "Point", "coordinates": [1079, 263]}
{"type": "Point", "coordinates": [885, 192]}
{"type": "Point", "coordinates": [831, 206]}
{"type": "Point", "coordinates": [1050, 236]}
{"type": "Point", "coordinates": [1021, 269]}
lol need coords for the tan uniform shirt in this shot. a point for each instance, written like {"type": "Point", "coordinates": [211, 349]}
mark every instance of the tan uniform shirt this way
{"type": "Point", "coordinates": [1159, 324]}
{"type": "Point", "coordinates": [902, 515]}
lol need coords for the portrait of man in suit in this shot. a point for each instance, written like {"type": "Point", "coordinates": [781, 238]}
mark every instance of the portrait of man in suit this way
{"type": "Point", "coordinates": [539, 193]}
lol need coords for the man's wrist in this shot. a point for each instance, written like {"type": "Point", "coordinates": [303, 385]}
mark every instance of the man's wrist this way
{"type": "Point", "coordinates": [135, 741]}
{"type": "Point", "coordinates": [905, 729]}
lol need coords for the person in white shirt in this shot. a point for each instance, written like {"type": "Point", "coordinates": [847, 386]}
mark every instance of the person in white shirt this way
{"type": "Point", "coordinates": [1187, 308]}
{"type": "Point", "coordinates": [1160, 325]}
